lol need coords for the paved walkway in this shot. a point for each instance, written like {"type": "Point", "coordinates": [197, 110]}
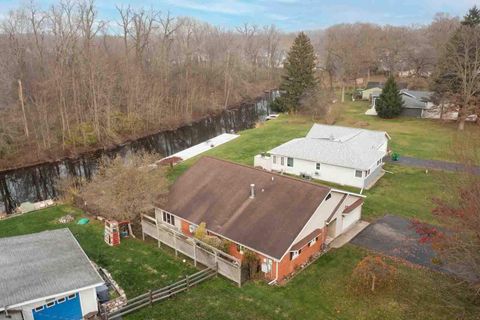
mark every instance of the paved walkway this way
{"type": "Point", "coordinates": [349, 235]}
{"type": "Point", "coordinates": [435, 165]}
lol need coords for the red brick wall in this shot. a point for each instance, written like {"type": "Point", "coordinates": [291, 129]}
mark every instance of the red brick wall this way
{"type": "Point", "coordinates": [285, 266]}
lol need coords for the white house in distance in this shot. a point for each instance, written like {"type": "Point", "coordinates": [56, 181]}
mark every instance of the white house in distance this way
{"type": "Point", "coordinates": [343, 155]}
{"type": "Point", "coordinates": [46, 276]}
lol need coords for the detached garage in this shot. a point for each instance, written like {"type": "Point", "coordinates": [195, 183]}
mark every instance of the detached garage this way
{"type": "Point", "coordinates": [45, 276]}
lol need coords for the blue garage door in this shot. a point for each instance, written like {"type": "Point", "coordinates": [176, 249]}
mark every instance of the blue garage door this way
{"type": "Point", "coordinates": [67, 308]}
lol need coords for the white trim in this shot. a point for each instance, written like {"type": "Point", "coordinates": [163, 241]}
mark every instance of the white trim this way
{"type": "Point", "coordinates": [306, 224]}
{"type": "Point", "coordinates": [53, 296]}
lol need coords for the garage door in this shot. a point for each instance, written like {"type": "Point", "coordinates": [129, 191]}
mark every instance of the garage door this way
{"type": "Point", "coordinates": [63, 308]}
{"type": "Point", "coordinates": [350, 219]}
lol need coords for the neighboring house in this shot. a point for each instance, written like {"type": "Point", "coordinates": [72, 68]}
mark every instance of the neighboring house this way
{"type": "Point", "coordinates": [415, 104]}
{"type": "Point", "coordinates": [346, 156]}
{"type": "Point", "coordinates": [285, 221]}
{"type": "Point", "coordinates": [46, 276]}
{"type": "Point", "coordinates": [373, 88]}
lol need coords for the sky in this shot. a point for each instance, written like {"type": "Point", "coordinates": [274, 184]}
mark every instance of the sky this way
{"type": "Point", "coordinates": [288, 15]}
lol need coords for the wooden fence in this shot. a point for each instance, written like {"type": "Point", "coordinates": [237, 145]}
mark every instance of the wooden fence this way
{"type": "Point", "coordinates": [152, 296]}
{"type": "Point", "coordinates": [227, 265]}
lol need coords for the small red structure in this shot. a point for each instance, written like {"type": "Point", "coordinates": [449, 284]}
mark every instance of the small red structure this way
{"type": "Point", "coordinates": [114, 231]}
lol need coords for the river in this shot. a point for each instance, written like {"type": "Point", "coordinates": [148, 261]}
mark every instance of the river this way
{"type": "Point", "coordinates": [36, 183]}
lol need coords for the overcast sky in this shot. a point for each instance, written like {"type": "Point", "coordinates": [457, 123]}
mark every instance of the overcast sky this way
{"type": "Point", "coordinates": [289, 15]}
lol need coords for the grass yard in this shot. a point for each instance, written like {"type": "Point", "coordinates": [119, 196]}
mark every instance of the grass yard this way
{"type": "Point", "coordinates": [406, 192]}
{"type": "Point", "coordinates": [420, 138]}
{"type": "Point", "coordinates": [319, 292]}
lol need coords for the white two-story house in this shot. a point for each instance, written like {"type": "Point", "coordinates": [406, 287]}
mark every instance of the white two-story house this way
{"type": "Point", "coordinates": [343, 155]}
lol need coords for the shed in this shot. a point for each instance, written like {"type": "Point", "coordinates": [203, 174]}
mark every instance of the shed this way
{"type": "Point", "coordinates": [46, 275]}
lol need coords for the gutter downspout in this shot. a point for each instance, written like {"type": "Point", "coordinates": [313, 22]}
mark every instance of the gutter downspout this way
{"type": "Point", "coordinates": [276, 275]}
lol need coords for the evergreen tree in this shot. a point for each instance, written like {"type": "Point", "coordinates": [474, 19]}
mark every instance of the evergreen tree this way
{"type": "Point", "coordinates": [389, 104]}
{"type": "Point", "coordinates": [472, 18]}
{"type": "Point", "coordinates": [300, 74]}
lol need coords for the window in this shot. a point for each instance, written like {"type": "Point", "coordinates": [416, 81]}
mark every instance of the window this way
{"type": "Point", "coordinates": [267, 265]}
{"type": "Point", "coordinates": [358, 173]}
{"type": "Point", "coordinates": [192, 228]}
{"type": "Point", "coordinates": [317, 166]}
{"type": "Point", "coordinates": [50, 304]}
{"type": "Point", "coordinates": [168, 218]}
{"type": "Point", "coordinates": [367, 173]}
{"type": "Point", "coordinates": [240, 249]}
{"type": "Point", "coordinates": [72, 296]}
{"type": "Point", "coordinates": [328, 196]}
{"type": "Point", "coordinates": [312, 242]}
{"type": "Point", "coordinates": [379, 161]}
{"type": "Point", "coordinates": [37, 309]}
{"type": "Point", "coordinates": [274, 159]}
{"type": "Point", "coordinates": [290, 162]}
{"type": "Point", "coordinates": [282, 162]}
{"type": "Point", "coordinates": [295, 254]}
{"type": "Point", "coordinates": [61, 300]}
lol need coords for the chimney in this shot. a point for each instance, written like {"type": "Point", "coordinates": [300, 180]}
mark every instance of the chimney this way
{"type": "Point", "coordinates": [252, 191]}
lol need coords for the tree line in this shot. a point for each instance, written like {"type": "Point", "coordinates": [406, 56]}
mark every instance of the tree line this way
{"type": "Point", "coordinates": [70, 80]}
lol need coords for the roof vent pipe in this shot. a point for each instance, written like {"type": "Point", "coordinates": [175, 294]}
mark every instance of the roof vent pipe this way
{"type": "Point", "coordinates": [252, 191]}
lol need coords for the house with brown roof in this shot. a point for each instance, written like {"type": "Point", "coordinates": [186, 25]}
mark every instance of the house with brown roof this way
{"type": "Point", "coordinates": [285, 221]}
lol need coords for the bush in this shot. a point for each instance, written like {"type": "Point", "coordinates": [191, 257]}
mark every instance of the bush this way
{"type": "Point", "coordinates": [372, 273]}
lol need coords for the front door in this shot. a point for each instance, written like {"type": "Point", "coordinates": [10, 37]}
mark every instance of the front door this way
{"type": "Point", "coordinates": [332, 228]}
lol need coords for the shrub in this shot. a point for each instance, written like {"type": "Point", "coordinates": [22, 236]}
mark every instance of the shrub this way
{"type": "Point", "coordinates": [373, 273]}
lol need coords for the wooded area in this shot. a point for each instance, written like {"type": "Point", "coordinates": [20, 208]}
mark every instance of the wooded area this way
{"type": "Point", "coordinates": [71, 82]}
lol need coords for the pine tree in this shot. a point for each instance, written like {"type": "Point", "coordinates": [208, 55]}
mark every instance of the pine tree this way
{"type": "Point", "coordinates": [389, 104]}
{"type": "Point", "coordinates": [472, 18]}
{"type": "Point", "coordinates": [300, 74]}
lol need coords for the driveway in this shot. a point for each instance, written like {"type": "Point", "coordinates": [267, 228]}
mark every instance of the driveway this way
{"type": "Point", "coordinates": [434, 164]}
{"type": "Point", "coordinates": [393, 236]}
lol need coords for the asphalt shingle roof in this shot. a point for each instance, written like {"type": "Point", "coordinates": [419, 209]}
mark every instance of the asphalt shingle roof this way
{"type": "Point", "coordinates": [42, 264]}
{"type": "Point", "coordinates": [341, 146]}
{"type": "Point", "coordinates": [217, 192]}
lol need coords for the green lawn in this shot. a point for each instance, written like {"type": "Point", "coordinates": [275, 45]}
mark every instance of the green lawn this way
{"type": "Point", "coordinates": [421, 138]}
{"type": "Point", "coordinates": [406, 192]}
{"type": "Point", "coordinates": [322, 290]}
{"type": "Point", "coordinates": [319, 292]}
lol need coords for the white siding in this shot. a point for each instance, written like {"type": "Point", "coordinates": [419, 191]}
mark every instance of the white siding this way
{"type": "Point", "coordinates": [323, 212]}
{"type": "Point", "coordinates": [327, 172]}
{"type": "Point", "coordinates": [350, 218]}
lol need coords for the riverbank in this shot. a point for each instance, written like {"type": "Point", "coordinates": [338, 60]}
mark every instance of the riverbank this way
{"type": "Point", "coordinates": [24, 160]}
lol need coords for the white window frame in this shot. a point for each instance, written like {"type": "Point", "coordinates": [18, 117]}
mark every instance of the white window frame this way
{"type": "Point", "coordinates": [312, 242]}
{"type": "Point", "coordinates": [39, 308]}
{"type": "Point", "coordinates": [317, 166]}
{"type": "Point", "coordinates": [356, 174]}
{"type": "Point", "coordinates": [192, 228]}
{"type": "Point", "coordinates": [168, 218]}
{"type": "Point", "coordinates": [240, 249]}
{"type": "Point", "coordinates": [282, 161]}
{"type": "Point", "coordinates": [50, 304]}
{"type": "Point", "coordinates": [274, 159]}
{"type": "Point", "coordinates": [72, 296]}
{"type": "Point", "coordinates": [295, 254]}
{"type": "Point", "coordinates": [290, 159]}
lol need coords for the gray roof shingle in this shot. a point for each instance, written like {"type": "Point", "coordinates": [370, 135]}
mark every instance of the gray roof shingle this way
{"type": "Point", "coordinates": [341, 146]}
{"type": "Point", "coordinates": [42, 264]}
